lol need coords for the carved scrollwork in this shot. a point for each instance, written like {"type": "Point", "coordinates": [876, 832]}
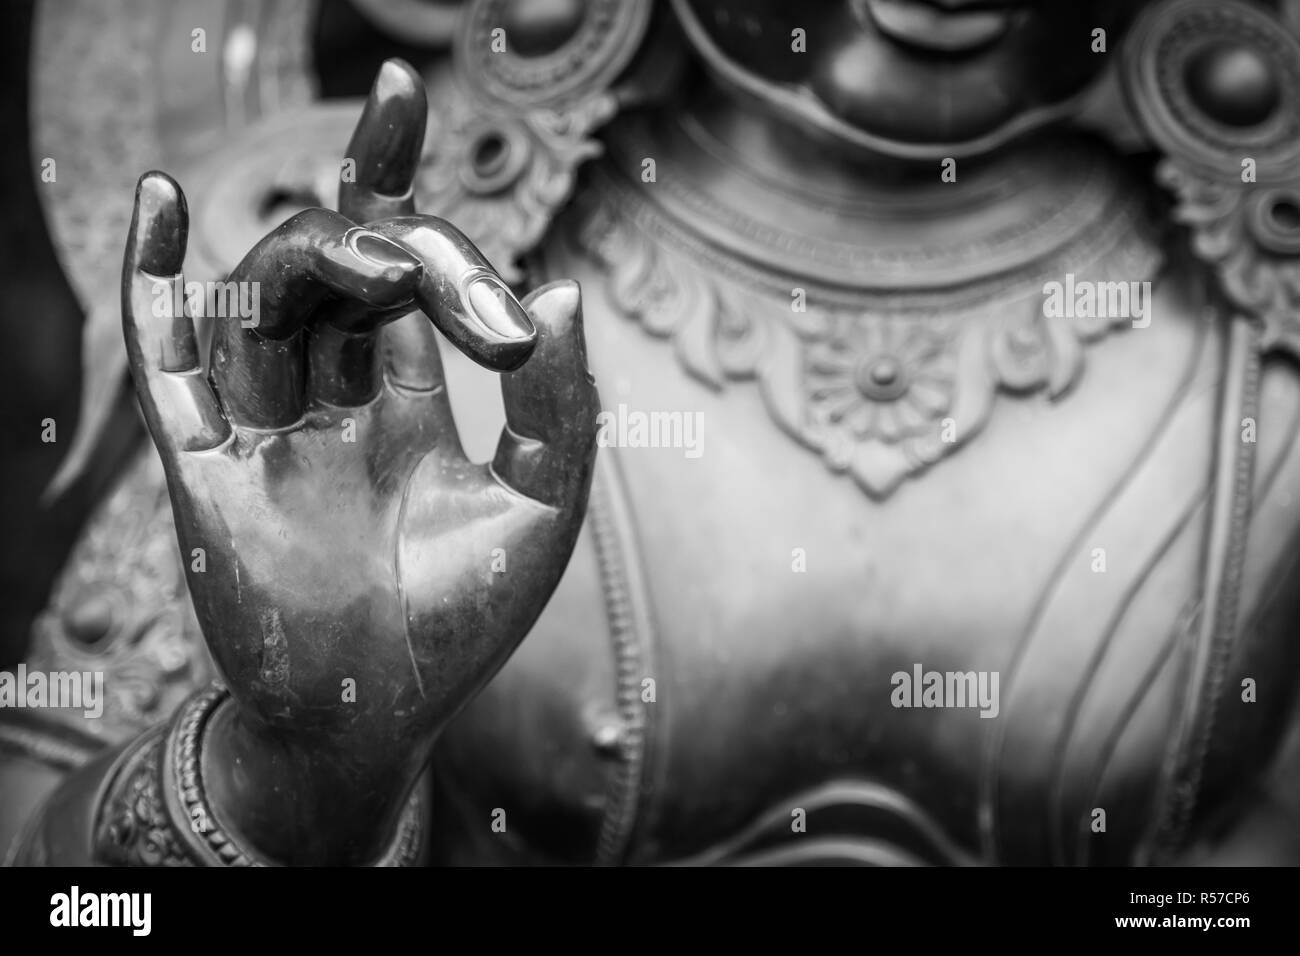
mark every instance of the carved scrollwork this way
{"type": "Point", "coordinates": [514, 122]}
{"type": "Point", "coordinates": [518, 57]}
{"type": "Point", "coordinates": [1216, 86]}
{"type": "Point", "coordinates": [881, 384]}
{"type": "Point", "coordinates": [133, 828]}
{"type": "Point", "coordinates": [502, 174]}
{"type": "Point", "coordinates": [121, 607]}
{"type": "Point", "coordinates": [1252, 239]}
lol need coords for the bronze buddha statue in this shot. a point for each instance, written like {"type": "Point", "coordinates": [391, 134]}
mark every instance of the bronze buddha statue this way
{"type": "Point", "coordinates": [984, 318]}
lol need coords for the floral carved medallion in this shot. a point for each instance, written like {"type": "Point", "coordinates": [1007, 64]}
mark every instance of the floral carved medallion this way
{"type": "Point", "coordinates": [882, 381]}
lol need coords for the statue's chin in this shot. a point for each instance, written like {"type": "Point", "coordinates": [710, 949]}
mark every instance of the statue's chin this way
{"type": "Point", "coordinates": [917, 116]}
{"type": "Point", "coordinates": [946, 104]}
{"type": "Point", "coordinates": [914, 80]}
{"type": "Point", "coordinates": [891, 89]}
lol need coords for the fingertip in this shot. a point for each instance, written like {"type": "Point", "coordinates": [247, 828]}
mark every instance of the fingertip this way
{"type": "Point", "coordinates": [503, 321]}
{"type": "Point", "coordinates": [160, 224]}
{"type": "Point", "coordinates": [556, 305]}
{"type": "Point", "coordinates": [155, 185]}
{"type": "Point", "coordinates": [396, 79]}
{"type": "Point", "coordinates": [389, 137]}
{"type": "Point", "coordinates": [390, 263]}
{"type": "Point", "coordinates": [382, 252]}
{"type": "Point", "coordinates": [383, 274]}
{"type": "Point", "coordinates": [556, 311]}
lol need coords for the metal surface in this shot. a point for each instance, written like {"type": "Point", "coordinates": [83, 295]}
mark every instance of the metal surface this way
{"type": "Point", "coordinates": [907, 461]}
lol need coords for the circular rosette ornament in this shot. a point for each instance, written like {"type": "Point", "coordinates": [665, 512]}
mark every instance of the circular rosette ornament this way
{"type": "Point", "coordinates": [523, 54]}
{"type": "Point", "coordinates": [877, 389]}
{"type": "Point", "coordinates": [1214, 83]}
{"type": "Point", "coordinates": [1216, 87]}
{"type": "Point", "coordinates": [880, 379]}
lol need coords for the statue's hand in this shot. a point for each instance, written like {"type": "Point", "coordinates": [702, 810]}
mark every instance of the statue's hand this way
{"type": "Point", "coordinates": [356, 577]}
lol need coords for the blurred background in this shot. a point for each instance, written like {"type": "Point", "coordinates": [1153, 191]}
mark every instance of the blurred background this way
{"type": "Point", "coordinates": [40, 362]}
{"type": "Point", "coordinates": [41, 328]}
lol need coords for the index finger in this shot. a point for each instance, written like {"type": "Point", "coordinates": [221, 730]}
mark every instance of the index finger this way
{"type": "Point", "coordinates": [462, 294]}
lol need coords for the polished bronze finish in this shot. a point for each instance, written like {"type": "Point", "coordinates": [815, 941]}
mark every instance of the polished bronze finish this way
{"type": "Point", "coordinates": [910, 463]}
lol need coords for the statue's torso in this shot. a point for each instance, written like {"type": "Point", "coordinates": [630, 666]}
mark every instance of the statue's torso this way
{"type": "Point", "coordinates": [771, 597]}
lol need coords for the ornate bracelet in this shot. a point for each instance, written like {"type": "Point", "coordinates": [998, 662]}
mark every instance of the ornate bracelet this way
{"type": "Point", "coordinates": [153, 808]}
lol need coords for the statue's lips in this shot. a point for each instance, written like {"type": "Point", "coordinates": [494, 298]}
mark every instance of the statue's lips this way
{"type": "Point", "coordinates": [917, 23]}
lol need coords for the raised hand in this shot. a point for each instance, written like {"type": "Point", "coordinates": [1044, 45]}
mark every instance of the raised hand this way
{"type": "Point", "coordinates": [339, 545]}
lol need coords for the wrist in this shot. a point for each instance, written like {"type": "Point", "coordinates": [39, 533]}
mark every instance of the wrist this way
{"type": "Point", "coordinates": [208, 791]}
{"type": "Point", "coordinates": [286, 800]}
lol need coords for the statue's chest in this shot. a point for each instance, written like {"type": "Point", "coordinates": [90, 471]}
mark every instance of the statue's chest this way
{"type": "Point", "coordinates": [966, 663]}
{"type": "Point", "coordinates": [909, 583]}
{"type": "Point", "coordinates": [1004, 612]}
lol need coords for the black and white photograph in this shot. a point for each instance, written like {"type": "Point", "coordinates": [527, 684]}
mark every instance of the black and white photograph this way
{"type": "Point", "coordinates": [652, 434]}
